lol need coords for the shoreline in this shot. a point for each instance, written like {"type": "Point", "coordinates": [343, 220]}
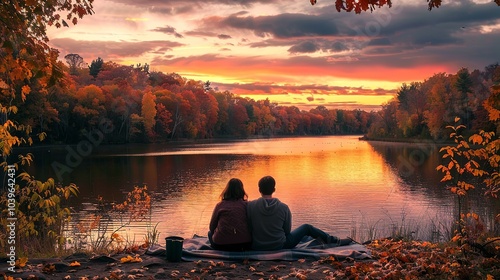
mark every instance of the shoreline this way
{"type": "Point", "coordinates": [61, 146]}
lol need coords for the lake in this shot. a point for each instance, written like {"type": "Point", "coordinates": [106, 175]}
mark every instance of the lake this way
{"type": "Point", "coordinates": [340, 184]}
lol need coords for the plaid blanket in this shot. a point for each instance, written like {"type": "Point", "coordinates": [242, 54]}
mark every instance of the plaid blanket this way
{"type": "Point", "coordinates": [198, 248]}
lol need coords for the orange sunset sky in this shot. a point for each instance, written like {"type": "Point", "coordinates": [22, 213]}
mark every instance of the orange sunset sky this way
{"type": "Point", "coordinates": [288, 50]}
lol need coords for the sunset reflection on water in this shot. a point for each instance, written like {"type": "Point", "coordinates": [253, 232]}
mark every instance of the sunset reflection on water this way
{"type": "Point", "coordinates": [337, 183]}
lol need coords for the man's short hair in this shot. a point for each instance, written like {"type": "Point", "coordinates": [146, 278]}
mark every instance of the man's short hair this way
{"type": "Point", "coordinates": [267, 185]}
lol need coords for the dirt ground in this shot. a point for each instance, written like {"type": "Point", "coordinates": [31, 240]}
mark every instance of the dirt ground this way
{"type": "Point", "coordinates": [392, 259]}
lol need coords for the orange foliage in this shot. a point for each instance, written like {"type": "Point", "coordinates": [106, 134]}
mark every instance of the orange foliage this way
{"type": "Point", "coordinates": [137, 204]}
{"type": "Point", "coordinates": [359, 6]}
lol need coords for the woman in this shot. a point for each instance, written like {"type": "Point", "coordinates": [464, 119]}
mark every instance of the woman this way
{"type": "Point", "coordinates": [229, 227]}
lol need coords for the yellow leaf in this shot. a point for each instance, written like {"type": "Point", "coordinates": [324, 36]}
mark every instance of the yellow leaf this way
{"type": "Point", "coordinates": [490, 277]}
{"type": "Point", "coordinates": [21, 262]}
{"type": "Point", "coordinates": [126, 259]}
{"type": "Point", "coordinates": [136, 259]}
{"type": "Point", "coordinates": [451, 164]}
{"type": "Point", "coordinates": [446, 177]}
{"type": "Point", "coordinates": [25, 90]}
{"type": "Point", "coordinates": [75, 263]}
{"type": "Point", "coordinates": [476, 139]}
{"type": "Point", "coordinates": [3, 85]}
{"type": "Point", "coordinates": [455, 238]}
{"type": "Point", "coordinates": [130, 259]}
{"type": "Point", "coordinates": [450, 152]}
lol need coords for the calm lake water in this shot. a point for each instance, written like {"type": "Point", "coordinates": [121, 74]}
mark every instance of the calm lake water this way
{"type": "Point", "coordinates": [340, 184]}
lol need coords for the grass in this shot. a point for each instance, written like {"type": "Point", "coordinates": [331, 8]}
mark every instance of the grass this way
{"type": "Point", "coordinates": [433, 229]}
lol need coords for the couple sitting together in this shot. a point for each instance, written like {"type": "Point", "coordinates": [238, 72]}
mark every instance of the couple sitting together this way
{"type": "Point", "coordinates": [262, 224]}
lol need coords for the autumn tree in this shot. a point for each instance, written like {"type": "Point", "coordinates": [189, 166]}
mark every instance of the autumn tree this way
{"type": "Point", "coordinates": [223, 103]}
{"type": "Point", "coordinates": [62, 98]}
{"type": "Point", "coordinates": [359, 6]}
{"type": "Point", "coordinates": [387, 126]}
{"type": "Point", "coordinates": [90, 109]}
{"type": "Point", "coordinates": [148, 113]}
{"type": "Point", "coordinates": [136, 128]}
{"type": "Point", "coordinates": [265, 120]}
{"type": "Point", "coordinates": [329, 119]}
{"type": "Point", "coordinates": [411, 109]}
{"type": "Point", "coordinates": [238, 119]}
{"type": "Point", "coordinates": [26, 60]}
{"type": "Point", "coordinates": [437, 116]}
{"type": "Point", "coordinates": [190, 114]}
{"type": "Point", "coordinates": [469, 159]}
{"type": "Point", "coordinates": [166, 81]}
{"type": "Point", "coordinates": [38, 112]}
{"type": "Point", "coordinates": [28, 63]}
{"type": "Point", "coordinates": [210, 109]}
{"type": "Point", "coordinates": [463, 87]}
{"type": "Point", "coordinates": [163, 120]}
{"type": "Point", "coordinates": [173, 103]}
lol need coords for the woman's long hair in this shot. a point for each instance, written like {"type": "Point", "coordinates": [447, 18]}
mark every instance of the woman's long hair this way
{"type": "Point", "coordinates": [234, 190]}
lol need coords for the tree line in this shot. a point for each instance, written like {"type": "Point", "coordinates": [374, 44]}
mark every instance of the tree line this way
{"type": "Point", "coordinates": [125, 104]}
{"type": "Point", "coordinates": [424, 109]}
{"type": "Point", "coordinates": [132, 104]}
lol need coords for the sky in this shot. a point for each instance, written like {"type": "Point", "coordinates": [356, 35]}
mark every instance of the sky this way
{"type": "Point", "coordinates": [290, 51]}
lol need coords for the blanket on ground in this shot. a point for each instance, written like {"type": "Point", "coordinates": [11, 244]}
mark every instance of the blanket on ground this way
{"type": "Point", "coordinates": [198, 248]}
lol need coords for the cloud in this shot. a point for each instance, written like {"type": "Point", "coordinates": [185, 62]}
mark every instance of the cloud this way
{"type": "Point", "coordinates": [224, 36]}
{"type": "Point", "coordinates": [111, 50]}
{"type": "Point", "coordinates": [384, 41]}
{"type": "Point", "coordinates": [299, 69]}
{"type": "Point", "coordinates": [173, 7]}
{"type": "Point", "coordinates": [304, 47]}
{"type": "Point", "coordinates": [287, 25]}
{"type": "Point", "coordinates": [168, 30]}
{"type": "Point", "coordinates": [311, 89]}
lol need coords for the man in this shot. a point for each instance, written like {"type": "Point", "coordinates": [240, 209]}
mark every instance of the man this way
{"type": "Point", "coordinates": [271, 222]}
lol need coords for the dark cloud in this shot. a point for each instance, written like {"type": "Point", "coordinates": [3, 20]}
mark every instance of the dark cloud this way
{"type": "Point", "coordinates": [416, 26]}
{"type": "Point", "coordinates": [279, 26]}
{"type": "Point", "coordinates": [224, 36]}
{"type": "Point", "coordinates": [171, 7]}
{"type": "Point", "coordinates": [304, 47]}
{"type": "Point", "coordinates": [339, 46]}
{"type": "Point", "coordinates": [168, 30]}
{"type": "Point", "coordinates": [379, 42]}
{"type": "Point", "coordinates": [299, 45]}
{"type": "Point", "coordinates": [201, 33]}
{"type": "Point", "coordinates": [423, 38]}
